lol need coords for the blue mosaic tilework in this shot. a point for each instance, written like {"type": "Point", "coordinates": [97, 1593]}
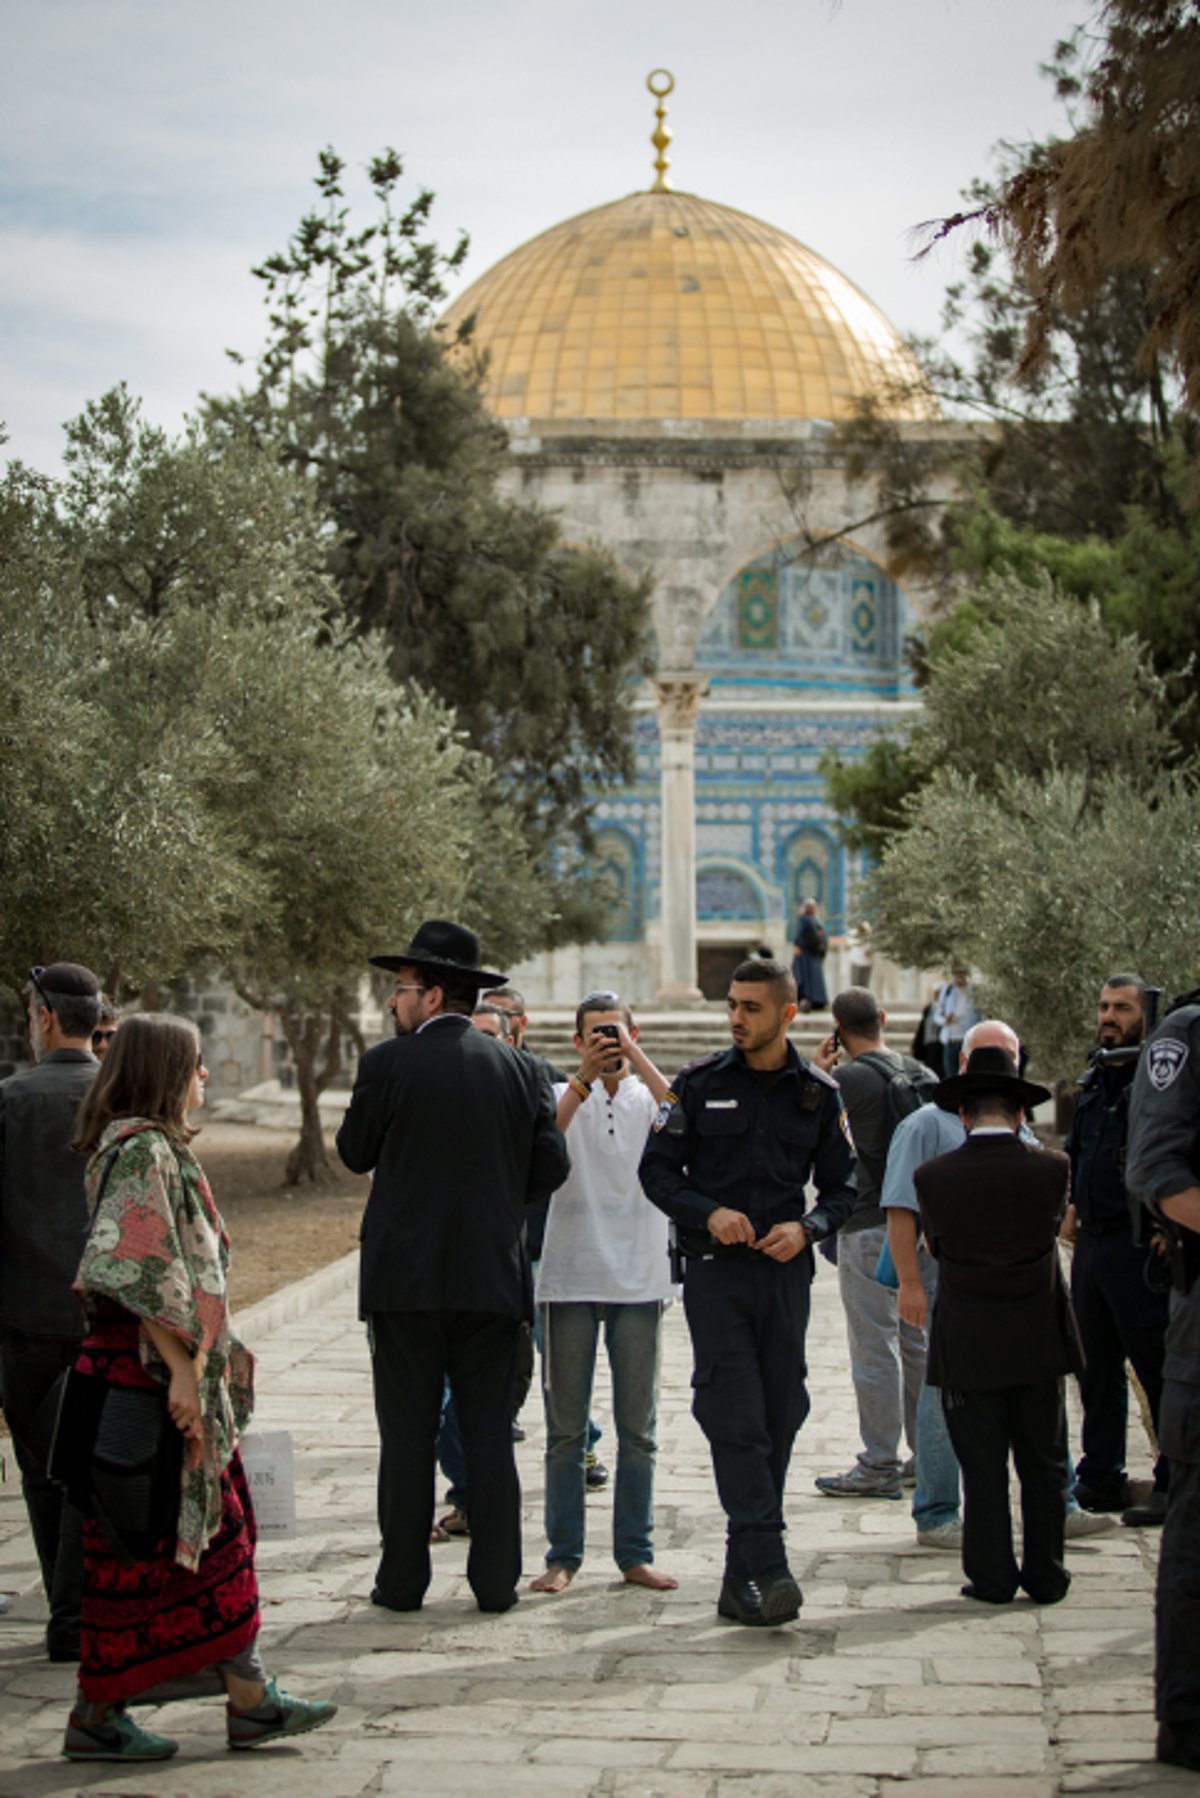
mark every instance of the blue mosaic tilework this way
{"type": "Point", "coordinates": [789, 624]}
{"type": "Point", "coordinates": [766, 835]}
{"type": "Point", "coordinates": [787, 627]}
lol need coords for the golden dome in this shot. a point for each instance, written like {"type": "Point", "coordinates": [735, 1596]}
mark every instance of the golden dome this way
{"type": "Point", "coordinates": [664, 305]}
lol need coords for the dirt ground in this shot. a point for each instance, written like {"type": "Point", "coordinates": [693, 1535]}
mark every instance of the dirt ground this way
{"type": "Point", "coordinates": [277, 1234]}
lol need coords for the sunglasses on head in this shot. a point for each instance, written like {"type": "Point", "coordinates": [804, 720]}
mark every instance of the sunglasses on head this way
{"type": "Point", "coordinates": [35, 975]}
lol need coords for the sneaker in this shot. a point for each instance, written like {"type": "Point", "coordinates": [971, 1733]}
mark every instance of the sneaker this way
{"type": "Point", "coordinates": [118, 1738]}
{"type": "Point", "coordinates": [595, 1473]}
{"type": "Point", "coordinates": [1088, 1523]}
{"type": "Point", "coordinates": [279, 1714]}
{"type": "Point", "coordinates": [860, 1482]}
{"type": "Point", "coordinates": [942, 1535]}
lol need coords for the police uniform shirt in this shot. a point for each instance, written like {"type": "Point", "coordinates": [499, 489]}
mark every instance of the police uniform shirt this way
{"type": "Point", "coordinates": [1094, 1146]}
{"type": "Point", "coordinates": [1163, 1159]}
{"type": "Point", "coordinates": [729, 1135]}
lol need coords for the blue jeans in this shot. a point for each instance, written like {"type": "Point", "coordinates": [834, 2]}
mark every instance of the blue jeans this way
{"type": "Point", "coordinates": [935, 1499]}
{"type": "Point", "coordinates": [571, 1332]}
{"type": "Point", "coordinates": [594, 1432]}
{"type": "Point", "coordinates": [451, 1459]}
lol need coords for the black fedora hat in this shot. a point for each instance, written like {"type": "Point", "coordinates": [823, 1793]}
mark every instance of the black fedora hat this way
{"type": "Point", "coordinates": [440, 944]}
{"type": "Point", "coordinates": [990, 1070]}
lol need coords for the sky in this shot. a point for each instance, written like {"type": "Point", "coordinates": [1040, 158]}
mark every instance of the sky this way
{"type": "Point", "coordinates": [151, 153]}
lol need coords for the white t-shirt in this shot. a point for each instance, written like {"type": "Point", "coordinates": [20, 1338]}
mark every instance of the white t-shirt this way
{"type": "Point", "coordinates": [605, 1242]}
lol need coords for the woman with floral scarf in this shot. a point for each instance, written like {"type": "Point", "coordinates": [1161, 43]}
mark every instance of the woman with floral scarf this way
{"type": "Point", "coordinates": [152, 1283]}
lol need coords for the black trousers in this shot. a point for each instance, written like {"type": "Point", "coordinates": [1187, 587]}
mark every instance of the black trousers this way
{"type": "Point", "coordinates": [413, 1353]}
{"type": "Point", "coordinates": [1177, 1602]}
{"type": "Point", "coordinates": [748, 1317]}
{"type": "Point", "coordinates": [1119, 1319]}
{"type": "Point", "coordinates": [29, 1368]}
{"type": "Point", "coordinates": [984, 1426]}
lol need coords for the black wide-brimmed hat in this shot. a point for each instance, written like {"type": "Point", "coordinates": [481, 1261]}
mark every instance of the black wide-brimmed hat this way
{"type": "Point", "coordinates": [440, 944]}
{"type": "Point", "coordinates": [990, 1070]}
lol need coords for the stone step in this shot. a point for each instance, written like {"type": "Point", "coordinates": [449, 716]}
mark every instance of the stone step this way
{"type": "Point", "coordinates": [671, 1039]}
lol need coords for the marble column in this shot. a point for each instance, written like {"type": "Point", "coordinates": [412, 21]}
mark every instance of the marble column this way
{"type": "Point", "coordinates": [678, 698]}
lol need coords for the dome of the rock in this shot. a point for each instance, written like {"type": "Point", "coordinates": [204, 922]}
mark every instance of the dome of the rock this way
{"type": "Point", "coordinates": [663, 305]}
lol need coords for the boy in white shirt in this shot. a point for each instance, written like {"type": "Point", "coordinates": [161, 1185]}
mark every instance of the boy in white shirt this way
{"type": "Point", "coordinates": [604, 1266]}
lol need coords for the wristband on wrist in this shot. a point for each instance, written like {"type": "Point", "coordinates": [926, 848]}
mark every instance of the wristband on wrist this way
{"type": "Point", "coordinates": [579, 1086]}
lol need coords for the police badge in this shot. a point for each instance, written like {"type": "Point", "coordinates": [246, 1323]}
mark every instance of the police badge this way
{"type": "Point", "coordinates": [1166, 1059]}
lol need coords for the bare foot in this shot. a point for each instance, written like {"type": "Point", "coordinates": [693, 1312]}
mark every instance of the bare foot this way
{"type": "Point", "coordinates": [555, 1579]}
{"type": "Point", "coordinates": [648, 1576]}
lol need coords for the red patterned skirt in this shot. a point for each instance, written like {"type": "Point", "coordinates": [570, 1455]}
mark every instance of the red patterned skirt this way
{"type": "Point", "coordinates": [157, 1621]}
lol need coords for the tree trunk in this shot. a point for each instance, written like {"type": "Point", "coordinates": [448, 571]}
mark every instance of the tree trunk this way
{"type": "Point", "coordinates": [308, 1160]}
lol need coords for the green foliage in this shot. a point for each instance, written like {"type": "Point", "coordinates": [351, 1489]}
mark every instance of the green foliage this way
{"type": "Point", "coordinates": [1045, 885]}
{"type": "Point", "coordinates": [1055, 835]}
{"type": "Point", "coordinates": [1073, 466]}
{"type": "Point", "coordinates": [532, 643]}
{"type": "Point", "coordinates": [870, 791]}
{"type": "Point", "coordinates": [206, 769]}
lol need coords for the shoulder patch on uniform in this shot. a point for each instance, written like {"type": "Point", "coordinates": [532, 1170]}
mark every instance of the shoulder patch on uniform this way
{"type": "Point", "coordinates": [664, 1111]}
{"type": "Point", "coordinates": [702, 1061]}
{"type": "Point", "coordinates": [844, 1127]}
{"type": "Point", "coordinates": [811, 1068]}
{"type": "Point", "coordinates": [1165, 1059]}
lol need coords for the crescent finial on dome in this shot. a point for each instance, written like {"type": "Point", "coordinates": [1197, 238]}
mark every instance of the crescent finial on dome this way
{"type": "Point", "coordinates": [661, 82]}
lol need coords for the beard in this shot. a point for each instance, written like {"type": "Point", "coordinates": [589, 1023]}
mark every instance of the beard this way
{"type": "Point", "coordinates": [1118, 1036]}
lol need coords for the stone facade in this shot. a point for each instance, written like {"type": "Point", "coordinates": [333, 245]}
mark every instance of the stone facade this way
{"type": "Point", "coordinates": [779, 636]}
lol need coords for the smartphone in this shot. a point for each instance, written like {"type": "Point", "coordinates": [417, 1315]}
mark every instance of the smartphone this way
{"type": "Point", "coordinates": [837, 1041]}
{"type": "Point", "coordinates": [608, 1030]}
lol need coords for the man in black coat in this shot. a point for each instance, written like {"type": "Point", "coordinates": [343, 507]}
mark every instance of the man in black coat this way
{"type": "Point", "coordinates": [460, 1133]}
{"type": "Point", "coordinates": [43, 1222]}
{"type": "Point", "coordinates": [1001, 1335]}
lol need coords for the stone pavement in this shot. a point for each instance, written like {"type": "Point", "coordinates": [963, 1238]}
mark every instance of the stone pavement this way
{"type": "Point", "coordinates": [890, 1682]}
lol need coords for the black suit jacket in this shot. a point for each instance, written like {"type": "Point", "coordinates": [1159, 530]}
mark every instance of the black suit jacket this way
{"type": "Point", "coordinates": [43, 1211]}
{"type": "Point", "coordinates": [991, 1211]}
{"type": "Point", "coordinates": [460, 1132]}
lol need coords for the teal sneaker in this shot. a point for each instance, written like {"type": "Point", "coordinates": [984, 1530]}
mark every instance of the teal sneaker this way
{"type": "Point", "coordinates": [118, 1738]}
{"type": "Point", "coordinates": [279, 1714]}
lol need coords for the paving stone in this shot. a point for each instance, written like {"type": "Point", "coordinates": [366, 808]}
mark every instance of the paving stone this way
{"type": "Point", "coordinates": [1003, 1787]}
{"type": "Point", "coordinates": [610, 1692]}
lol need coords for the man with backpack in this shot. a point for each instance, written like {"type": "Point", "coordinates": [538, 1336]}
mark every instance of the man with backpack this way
{"type": "Point", "coordinates": [879, 1087]}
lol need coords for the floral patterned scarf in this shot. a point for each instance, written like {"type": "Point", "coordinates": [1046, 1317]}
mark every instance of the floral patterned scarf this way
{"type": "Point", "coordinates": [158, 1248]}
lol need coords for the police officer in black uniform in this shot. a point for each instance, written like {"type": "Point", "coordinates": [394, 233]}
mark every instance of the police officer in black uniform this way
{"type": "Point", "coordinates": [733, 1145]}
{"type": "Point", "coordinates": [1163, 1171]}
{"type": "Point", "coordinates": [1118, 1287]}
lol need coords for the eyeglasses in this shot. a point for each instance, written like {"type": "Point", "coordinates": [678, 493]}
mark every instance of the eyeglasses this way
{"type": "Point", "coordinates": [104, 1035]}
{"type": "Point", "coordinates": [35, 975]}
{"type": "Point", "coordinates": [408, 986]}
